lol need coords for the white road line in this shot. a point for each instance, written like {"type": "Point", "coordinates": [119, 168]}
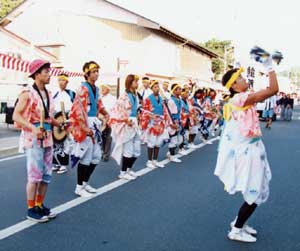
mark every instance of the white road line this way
{"type": "Point", "coordinates": [12, 157]}
{"type": "Point", "coordinates": [9, 231]}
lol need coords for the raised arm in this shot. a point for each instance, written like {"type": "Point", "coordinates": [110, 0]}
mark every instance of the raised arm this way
{"type": "Point", "coordinates": [264, 94]}
{"type": "Point", "coordinates": [269, 91]}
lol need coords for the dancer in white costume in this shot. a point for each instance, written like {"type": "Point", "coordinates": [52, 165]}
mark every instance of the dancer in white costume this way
{"type": "Point", "coordinates": [174, 105]}
{"type": "Point", "coordinates": [154, 121]}
{"type": "Point", "coordinates": [242, 163]}
{"type": "Point", "coordinates": [86, 129]}
{"type": "Point", "coordinates": [125, 129]}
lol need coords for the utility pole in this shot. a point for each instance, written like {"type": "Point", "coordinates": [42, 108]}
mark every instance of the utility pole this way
{"type": "Point", "coordinates": [225, 58]}
{"type": "Point", "coordinates": [118, 79]}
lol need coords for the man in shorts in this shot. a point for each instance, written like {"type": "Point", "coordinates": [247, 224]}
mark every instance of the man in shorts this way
{"type": "Point", "coordinates": [34, 113]}
{"type": "Point", "coordinates": [269, 111]}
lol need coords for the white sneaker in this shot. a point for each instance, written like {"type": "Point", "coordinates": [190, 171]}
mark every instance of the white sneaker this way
{"type": "Point", "coordinates": [192, 146]}
{"type": "Point", "coordinates": [168, 154]}
{"type": "Point", "coordinates": [126, 176]}
{"type": "Point", "coordinates": [62, 169]}
{"type": "Point", "coordinates": [82, 192]}
{"type": "Point", "coordinates": [240, 235]}
{"type": "Point", "coordinates": [183, 152]}
{"type": "Point", "coordinates": [55, 168]}
{"type": "Point", "coordinates": [89, 188]}
{"type": "Point", "coordinates": [208, 142]}
{"type": "Point", "coordinates": [248, 229]}
{"type": "Point", "coordinates": [132, 173]}
{"type": "Point", "coordinates": [150, 164]}
{"type": "Point", "coordinates": [213, 133]}
{"type": "Point", "coordinates": [174, 159]}
{"type": "Point", "coordinates": [203, 139]}
{"type": "Point", "coordinates": [158, 164]}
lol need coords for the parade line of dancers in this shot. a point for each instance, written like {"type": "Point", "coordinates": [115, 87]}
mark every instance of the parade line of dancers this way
{"type": "Point", "coordinates": [90, 122]}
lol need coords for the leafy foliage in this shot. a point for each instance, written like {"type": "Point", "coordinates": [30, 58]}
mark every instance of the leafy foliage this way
{"type": "Point", "coordinates": [7, 6]}
{"type": "Point", "coordinates": [225, 50]}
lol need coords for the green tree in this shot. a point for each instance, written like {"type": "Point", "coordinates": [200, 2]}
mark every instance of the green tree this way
{"type": "Point", "coordinates": [225, 50]}
{"type": "Point", "coordinates": [7, 6]}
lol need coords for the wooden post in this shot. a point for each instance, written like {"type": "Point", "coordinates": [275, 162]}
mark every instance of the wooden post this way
{"type": "Point", "coordinates": [118, 79]}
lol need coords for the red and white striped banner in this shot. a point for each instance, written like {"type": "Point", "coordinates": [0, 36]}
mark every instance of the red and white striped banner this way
{"type": "Point", "coordinates": [13, 63]}
{"type": "Point", "coordinates": [16, 64]}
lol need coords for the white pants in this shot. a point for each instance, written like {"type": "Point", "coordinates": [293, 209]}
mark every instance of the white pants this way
{"type": "Point", "coordinates": [132, 148]}
{"type": "Point", "coordinates": [185, 136]}
{"type": "Point", "coordinates": [194, 129]}
{"type": "Point", "coordinates": [156, 141]}
{"type": "Point", "coordinates": [92, 153]}
{"type": "Point", "coordinates": [175, 140]}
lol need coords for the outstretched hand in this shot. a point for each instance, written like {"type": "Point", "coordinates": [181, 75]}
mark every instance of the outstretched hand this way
{"type": "Point", "coordinates": [268, 64]}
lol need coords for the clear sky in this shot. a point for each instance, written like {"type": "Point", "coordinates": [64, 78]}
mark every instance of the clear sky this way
{"type": "Point", "coordinates": [270, 24]}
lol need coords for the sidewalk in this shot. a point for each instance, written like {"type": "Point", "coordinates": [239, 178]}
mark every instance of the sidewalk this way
{"type": "Point", "coordinates": [9, 140]}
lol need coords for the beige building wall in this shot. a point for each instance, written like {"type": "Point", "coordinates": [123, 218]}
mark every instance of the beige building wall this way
{"type": "Point", "coordinates": [147, 51]}
{"type": "Point", "coordinates": [90, 34]}
{"type": "Point", "coordinates": [195, 64]}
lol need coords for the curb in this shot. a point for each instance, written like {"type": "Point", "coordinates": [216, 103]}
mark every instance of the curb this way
{"type": "Point", "coordinates": [6, 152]}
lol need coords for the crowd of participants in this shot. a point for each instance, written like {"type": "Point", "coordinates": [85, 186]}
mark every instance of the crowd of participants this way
{"type": "Point", "coordinates": [79, 129]}
{"type": "Point", "coordinates": [99, 127]}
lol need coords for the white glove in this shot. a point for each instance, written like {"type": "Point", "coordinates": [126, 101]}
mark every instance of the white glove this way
{"type": "Point", "coordinates": [268, 64]}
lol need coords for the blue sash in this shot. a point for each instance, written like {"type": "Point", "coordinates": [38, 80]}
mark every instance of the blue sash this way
{"type": "Point", "coordinates": [71, 94]}
{"type": "Point", "coordinates": [157, 105]}
{"type": "Point", "coordinates": [178, 104]}
{"type": "Point", "coordinates": [185, 106]}
{"type": "Point", "coordinates": [196, 102]}
{"type": "Point", "coordinates": [134, 105]}
{"type": "Point", "coordinates": [254, 140]}
{"type": "Point", "coordinates": [208, 98]}
{"type": "Point", "coordinates": [47, 126]}
{"type": "Point", "coordinates": [93, 100]}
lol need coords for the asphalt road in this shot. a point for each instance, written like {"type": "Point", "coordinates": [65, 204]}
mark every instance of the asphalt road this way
{"type": "Point", "coordinates": [8, 131]}
{"type": "Point", "coordinates": [182, 207]}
